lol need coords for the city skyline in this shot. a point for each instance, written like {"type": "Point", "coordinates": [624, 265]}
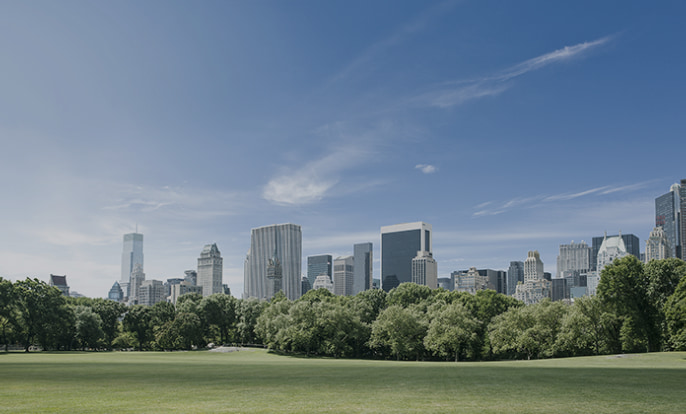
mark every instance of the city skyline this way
{"type": "Point", "coordinates": [510, 127]}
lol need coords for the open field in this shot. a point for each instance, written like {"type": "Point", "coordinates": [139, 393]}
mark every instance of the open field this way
{"type": "Point", "coordinates": [255, 381]}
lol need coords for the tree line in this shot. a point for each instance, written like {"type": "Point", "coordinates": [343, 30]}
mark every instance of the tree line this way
{"type": "Point", "coordinates": [638, 308]}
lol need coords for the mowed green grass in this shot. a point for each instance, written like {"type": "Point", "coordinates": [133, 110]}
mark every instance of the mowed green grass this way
{"type": "Point", "coordinates": [256, 381]}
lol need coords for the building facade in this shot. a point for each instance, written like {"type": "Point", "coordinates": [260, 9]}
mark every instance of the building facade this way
{"type": "Point", "coordinates": [210, 270]}
{"type": "Point", "coordinates": [181, 289]}
{"type": "Point", "coordinates": [286, 240]}
{"type": "Point", "coordinates": [575, 257]}
{"type": "Point", "coordinates": [682, 218]}
{"type": "Point", "coordinates": [425, 270]}
{"type": "Point", "coordinates": [611, 249]}
{"type": "Point", "coordinates": [116, 293]}
{"type": "Point", "coordinates": [657, 245]}
{"type": "Point", "coordinates": [320, 264]}
{"type": "Point", "coordinates": [135, 282]}
{"type": "Point", "coordinates": [151, 292]}
{"type": "Point", "coordinates": [343, 273]}
{"type": "Point", "coordinates": [470, 281]}
{"type": "Point", "coordinates": [323, 282]}
{"type": "Point", "coordinates": [363, 267]}
{"type": "Point", "coordinates": [631, 244]}
{"type": "Point", "coordinates": [399, 245]}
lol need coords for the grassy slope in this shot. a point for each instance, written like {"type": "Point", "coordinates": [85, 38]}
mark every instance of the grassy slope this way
{"type": "Point", "coordinates": [254, 381]}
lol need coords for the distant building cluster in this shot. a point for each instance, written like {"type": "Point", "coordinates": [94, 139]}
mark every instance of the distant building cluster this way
{"type": "Point", "coordinates": [273, 264]}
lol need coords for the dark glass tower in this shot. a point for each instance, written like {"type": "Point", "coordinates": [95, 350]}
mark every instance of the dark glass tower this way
{"type": "Point", "coordinates": [399, 245]}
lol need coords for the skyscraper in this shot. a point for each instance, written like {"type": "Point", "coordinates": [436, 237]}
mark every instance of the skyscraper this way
{"type": "Point", "coordinates": [135, 281]}
{"type": "Point", "coordinates": [210, 270]}
{"type": "Point", "coordinates": [424, 270]}
{"type": "Point", "coordinates": [657, 245]}
{"type": "Point", "coordinates": [319, 265]}
{"type": "Point", "coordinates": [363, 267]}
{"type": "Point", "coordinates": [343, 276]}
{"type": "Point", "coordinates": [515, 274]}
{"type": "Point", "coordinates": [667, 214]}
{"type": "Point", "coordinates": [399, 245]}
{"type": "Point", "coordinates": [535, 287]}
{"type": "Point", "coordinates": [573, 257]}
{"type": "Point", "coordinates": [132, 255]}
{"type": "Point", "coordinates": [286, 241]}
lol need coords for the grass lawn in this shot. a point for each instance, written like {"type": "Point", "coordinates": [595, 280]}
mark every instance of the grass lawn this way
{"type": "Point", "coordinates": [255, 381]}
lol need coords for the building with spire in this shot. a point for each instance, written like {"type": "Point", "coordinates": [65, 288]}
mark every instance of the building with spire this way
{"type": "Point", "coordinates": [274, 274]}
{"type": "Point", "coordinates": [286, 241]}
{"type": "Point", "coordinates": [210, 270]}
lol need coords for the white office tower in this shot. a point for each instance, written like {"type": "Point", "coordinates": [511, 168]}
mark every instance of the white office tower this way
{"type": "Point", "coordinates": [657, 245]}
{"type": "Point", "coordinates": [343, 276]}
{"type": "Point", "coordinates": [574, 257]}
{"type": "Point", "coordinates": [210, 270]}
{"type": "Point", "coordinates": [132, 254]}
{"type": "Point", "coordinates": [280, 241]}
{"type": "Point", "coordinates": [425, 270]}
{"type": "Point", "coordinates": [535, 287]}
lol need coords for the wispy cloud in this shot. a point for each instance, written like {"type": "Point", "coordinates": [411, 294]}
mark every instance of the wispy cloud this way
{"type": "Point", "coordinates": [315, 179]}
{"type": "Point", "coordinates": [456, 93]}
{"type": "Point", "coordinates": [365, 61]}
{"type": "Point", "coordinates": [426, 168]}
{"type": "Point", "coordinates": [534, 201]}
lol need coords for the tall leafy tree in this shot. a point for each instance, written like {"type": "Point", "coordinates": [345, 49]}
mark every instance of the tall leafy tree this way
{"type": "Point", "coordinates": [247, 313]}
{"type": "Point", "coordinates": [623, 286]}
{"type": "Point", "coordinates": [453, 330]}
{"type": "Point", "coordinates": [407, 294]}
{"type": "Point", "coordinates": [138, 321]}
{"type": "Point", "coordinates": [42, 313]}
{"type": "Point", "coordinates": [219, 310]}
{"type": "Point", "coordinates": [675, 317]}
{"type": "Point", "coordinates": [399, 331]}
{"type": "Point", "coordinates": [88, 327]}
{"type": "Point", "coordinates": [109, 312]}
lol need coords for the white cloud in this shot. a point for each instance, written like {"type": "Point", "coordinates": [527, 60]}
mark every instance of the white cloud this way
{"type": "Point", "coordinates": [451, 95]}
{"type": "Point", "coordinates": [426, 168]}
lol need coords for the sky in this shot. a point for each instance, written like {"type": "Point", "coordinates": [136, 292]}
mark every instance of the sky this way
{"type": "Point", "coordinates": [507, 126]}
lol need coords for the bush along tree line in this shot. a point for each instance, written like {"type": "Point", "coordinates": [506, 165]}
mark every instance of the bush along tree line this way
{"type": "Point", "coordinates": [637, 308]}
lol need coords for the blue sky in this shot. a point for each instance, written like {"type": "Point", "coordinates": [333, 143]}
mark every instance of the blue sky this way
{"type": "Point", "coordinates": [508, 126]}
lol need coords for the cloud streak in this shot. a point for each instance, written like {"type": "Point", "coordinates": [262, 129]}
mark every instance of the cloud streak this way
{"type": "Point", "coordinates": [529, 202]}
{"type": "Point", "coordinates": [467, 90]}
{"type": "Point", "coordinates": [426, 168]}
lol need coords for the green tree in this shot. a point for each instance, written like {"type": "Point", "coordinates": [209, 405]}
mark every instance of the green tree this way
{"type": "Point", "coordinates": [623, 287]}
{"type": "Point", "coordinates": [368, 304]}
{"type": "Point", "coordinates": [109, 312]}
{"type": "Point", "coordinates": [675, 317]}
{"type": "Point", "coordinates": [42, 313]}
{"type": "Point", "coordinates": [451, 331]}
{"type": "Point", "coordinates": [88, 327]}
{"type": "Point", "coordinates": [340, 331]}
{"type": "Point", "coordinates": [589, 329]}
{"type": "Point", "coordinates": [138, 321]}
{"type": "Point", "coordinates": [7, 311]}
{"type": "Point", "coordinates": [407, 294]}
{"type": "Point", "coordinates": [247, 313]}
{"type": "Point", "coordinates": [219, 310]}
{"type": "Point", "coordinates": [399, 331]}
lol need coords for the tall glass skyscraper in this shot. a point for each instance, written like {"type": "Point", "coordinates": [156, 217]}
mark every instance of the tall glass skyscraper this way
{"type": "Point", "coordinates": [667, 217]}
{"type": "Point", "coordinates": [363, 255]}
{"type": "Point", "coordinates": [281, 241]}
{"type": "Point", "coordinates": [399, 245]}
{"type": "Point", "coordinates": [132, 255]}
